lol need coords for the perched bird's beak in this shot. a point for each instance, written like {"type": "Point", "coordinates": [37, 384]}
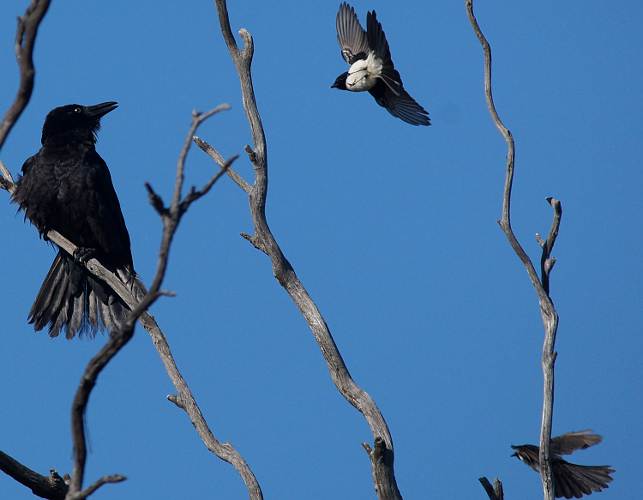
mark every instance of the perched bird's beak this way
{"type": "Point", "coordinates": [101, 109]}
{"type": "Point", "coordinates": [334, 85]}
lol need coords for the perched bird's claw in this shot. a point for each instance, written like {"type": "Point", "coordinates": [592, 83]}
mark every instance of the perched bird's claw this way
{"type": "Point", "coordinates": [84, 254]}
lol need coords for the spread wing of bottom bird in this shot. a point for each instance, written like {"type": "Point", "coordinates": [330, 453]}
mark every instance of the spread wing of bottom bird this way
{"type": "Point", "coordinates": [570, 480]}
{"type": "Point", "coordinates": [371, 67]}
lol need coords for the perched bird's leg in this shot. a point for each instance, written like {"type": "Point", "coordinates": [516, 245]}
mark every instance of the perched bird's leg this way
{"type": "Point", "coordinates": [84, 254]}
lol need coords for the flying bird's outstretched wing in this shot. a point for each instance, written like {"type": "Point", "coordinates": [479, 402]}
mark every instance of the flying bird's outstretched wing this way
{"type": "Point", "coordinates": [377, 39]}
{"type": "Point", "coordinates": [571, 441]}
{"type": "Point", "coordinates": [389, 91]}
{"type": "Point", "coordinates": [378, 44]}
{"type": "Point", "coordinates": [350, 35]}
{"type": "Point", "coordinates": [400, 103]}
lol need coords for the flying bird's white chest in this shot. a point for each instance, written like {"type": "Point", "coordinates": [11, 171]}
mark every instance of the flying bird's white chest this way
{"type": "Point", "coordinates": [363, 74]}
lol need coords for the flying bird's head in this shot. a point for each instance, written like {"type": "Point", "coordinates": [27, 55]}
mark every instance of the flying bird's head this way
{"type": "Point", "coordinates": [74, 122]}
{"type": "Point", "coordinates": [340, 82]}
{"type": "Point", "coordinates": [527, 453]}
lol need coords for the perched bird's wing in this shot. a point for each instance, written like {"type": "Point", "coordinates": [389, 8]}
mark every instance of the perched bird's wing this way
{"type": "Point", "coordinates": [350, 35]}
{"type": "Point", "coordinates": [104, 216]}
{"type": "Point", "coordinates": [400, 103]}
{"type": "Point", "coordinates": [574, 481]}
{"type": "Point", "coordinates": [571, 441]}
{"type": "Point", "coordinates": [36, 198]}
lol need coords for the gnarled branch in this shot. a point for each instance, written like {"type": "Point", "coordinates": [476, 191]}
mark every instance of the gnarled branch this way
{"type": "Point", "coordinates": [263, 239]}
{"type": "Point", "coordinates": [171, 217]}
{"type": "Point", "coordinates": [52, 487]}
{"type": "Point", "coordinates": [26, 32]}
{"type": "Point", "coordinates": [547, 310]}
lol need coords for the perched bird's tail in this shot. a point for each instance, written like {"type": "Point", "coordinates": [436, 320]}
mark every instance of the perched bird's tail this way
{"type": "Point", "coordinates": [574, 481]}
{"type": "Point", "coordinates": [73, 300]}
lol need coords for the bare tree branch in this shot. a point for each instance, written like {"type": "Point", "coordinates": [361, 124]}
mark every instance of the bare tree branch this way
{"type": "Point", "coordinates": [116, 478]}
{"type": "Point", "coordinates": [25, 39]}
{"type": "Point", "coordinates": [117, 340]}
{"type": "Point", "coordinates": [547, 310]}
{"type": "Point", "coordinates": [170, 217]}
{"type": "Point", "coordinates": [382, 458]}
{"type": "Point", "coordinates": [494, 492]}
{"type": "Point", "coordinates": [216, 156]}
{"type": "Point", "coordinates": [131, 295]}
{"type": "Point", "coordinates": [26, 32]}
{"type": "Point", "coordinates": [52, 487]}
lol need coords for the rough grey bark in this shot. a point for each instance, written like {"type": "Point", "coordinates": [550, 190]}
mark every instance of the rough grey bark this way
{"type": "Point", "coordinates": [541, 285]}
{"type": "Point", "coordinates": [382, 456]}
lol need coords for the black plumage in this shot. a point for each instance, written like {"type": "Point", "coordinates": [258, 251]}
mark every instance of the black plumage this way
{"type": "Point", "coordinates": [570, 480]}
{"type": "Point", "coordinates": [371, 67]}
{"type": "Point", "coordinates": [67, 187]}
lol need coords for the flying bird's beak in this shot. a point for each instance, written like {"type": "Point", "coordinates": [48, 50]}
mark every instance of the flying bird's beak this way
{"type": "Point", "coordinates": [102, 109]}
{"type": "Point", "coordinates": [334, 85]}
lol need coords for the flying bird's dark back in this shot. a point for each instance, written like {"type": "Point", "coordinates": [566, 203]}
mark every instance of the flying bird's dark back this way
{"type": "Point", "coordinates": [67, 187]}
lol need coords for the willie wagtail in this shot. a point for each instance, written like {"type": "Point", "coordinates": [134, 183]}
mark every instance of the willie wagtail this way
{"type": "Point", "coordinates": [371, 66]}
{"type": "Point", "coordinates": [570, 480]}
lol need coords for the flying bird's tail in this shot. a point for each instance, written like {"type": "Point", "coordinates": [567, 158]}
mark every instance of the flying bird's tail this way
{"type": "Point", "coordinates": [73, 300]}
{"type": "Point", "coordinates": [574, 481]}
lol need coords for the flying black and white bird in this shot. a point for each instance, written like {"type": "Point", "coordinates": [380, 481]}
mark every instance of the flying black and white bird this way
{"type": "Point", "coordinates": [67, 187]}
{"type": "Point", "coordinates": [570, 480]}
{"type": "Point", "coordinates": [371, 67]}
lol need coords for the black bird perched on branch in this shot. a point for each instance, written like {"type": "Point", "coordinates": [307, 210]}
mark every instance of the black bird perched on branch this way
{"type": "Point", "coordinates": [371, 66]}
{"type": "Point", "coordinates": [67, 187]}
{"type": "Point", "coordinates": [570, 480]}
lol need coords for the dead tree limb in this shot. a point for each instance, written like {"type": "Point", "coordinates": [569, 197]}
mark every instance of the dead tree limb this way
{"type": "Point", "coordinates": [52, 487]}
{"type": "Point", "coordinates": [131, 296]}
{"type": "Point", "coordinates": [263, 239]}
{"type": "Point", "coordinates": [26, 32]}
{"type": "Point", "coordinates": [494, 492]}
{"type": "Point", "coordinates": [170, 217]}
{"type": "Point", "coordinates": [541, 285]}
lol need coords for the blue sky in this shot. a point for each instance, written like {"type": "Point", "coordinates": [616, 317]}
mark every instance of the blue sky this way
{"type": "Point", "coordinates": [392, 228]}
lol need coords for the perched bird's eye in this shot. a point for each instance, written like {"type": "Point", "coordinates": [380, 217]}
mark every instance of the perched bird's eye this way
{"type": "Point", "coordinates": [76, 109]}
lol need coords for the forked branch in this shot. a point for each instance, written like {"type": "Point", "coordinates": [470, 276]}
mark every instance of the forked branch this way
{"type": "Point", "coordinates": [541, 285]}
{"type": "Point", "coordinates": [132, 295]}
{"type": "Point", "coordinates": [494, 492]}
{"type": "Point", "coordinates": [170, 218]}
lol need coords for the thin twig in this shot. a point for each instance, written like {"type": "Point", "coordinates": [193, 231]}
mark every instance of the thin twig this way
{"type": "Point", "coordinates": [26, 32]}
{"type": "Point", "coordinates": [548, 312]}
{"type": "Point", "coordinates": [197, 119]}
{"type": "Point", "coordinates": [52, 487]}
{"type": "Point", "coordinates": [216, 156]}
{"type": "Point", "coordinates": [195, 194]}
{"type": "Point", "coordinates": [546, 260]}
{"type": "Point", "coordinates": [115, 478]}
{"type": "Point", "coordinates": [263, 239]}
